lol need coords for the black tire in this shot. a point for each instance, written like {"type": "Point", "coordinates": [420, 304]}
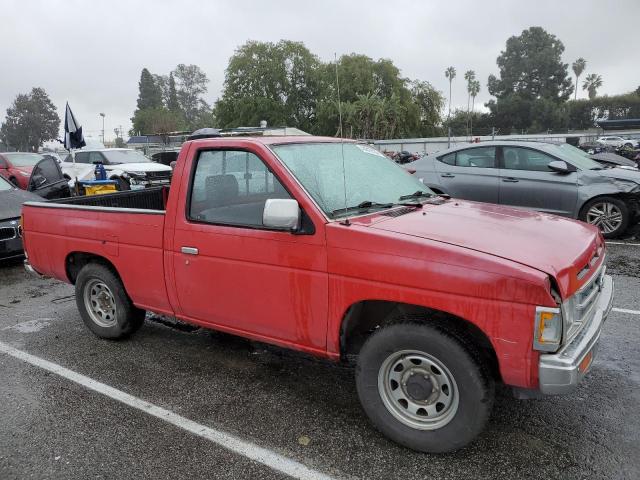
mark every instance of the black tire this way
{"type": "Point", "coordinates": [474, 386]}
{"type": "Point", "coordinates": [619, 204]}
{"type": "Point", "coordinates": [127, 318]}
{"type": "Point", "coordinates": [14, 182]}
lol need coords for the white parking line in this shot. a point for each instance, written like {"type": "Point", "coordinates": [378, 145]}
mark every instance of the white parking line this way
{"type": "Point", "coordinates": [626, 310]}
{"type": "Point", "coordinates": [249, 450]}
{"type": "Point", "coordinates": [623, 243]}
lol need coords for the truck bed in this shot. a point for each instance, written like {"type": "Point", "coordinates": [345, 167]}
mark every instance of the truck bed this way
{"type": "Point", "coordinates": [124, 228]}
{"type": "Point", "coordinates": [154, 198]}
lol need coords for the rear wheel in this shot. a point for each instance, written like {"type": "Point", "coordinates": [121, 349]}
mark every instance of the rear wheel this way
{"type": "Point", "coordinates": [611, 215]}
{"type": "Point", "coordinates": [104, 305]}
{"type": "Point", "coordinates": [424, 388]}
{"type": "Point", "coordinates": [14, 181]}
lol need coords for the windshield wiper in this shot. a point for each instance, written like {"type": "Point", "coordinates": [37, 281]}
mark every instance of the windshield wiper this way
{"type": "Point", "coordinates": [366, 205]}
{"type": "Point", "coordinates": [417, 194]}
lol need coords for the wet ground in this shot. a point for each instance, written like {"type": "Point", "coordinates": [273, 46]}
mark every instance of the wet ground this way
{"type": "Point", "coordinates": [298, 407]}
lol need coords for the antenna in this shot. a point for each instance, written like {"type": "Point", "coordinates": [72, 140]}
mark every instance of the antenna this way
{"type": "Point", "coordinates": [344, 173]}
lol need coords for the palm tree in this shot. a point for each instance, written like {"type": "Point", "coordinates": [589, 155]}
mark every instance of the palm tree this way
{"type": "Point", "coordinates": [592, 83]}
{"type": "Point", "coordinates": [474, 89]}
{"type": "Point", "coordinates": [469, 76]}
{"type": "Point", "coordinates": [578, 67]}
{"type": "Point", "coordinates": [450, 73]}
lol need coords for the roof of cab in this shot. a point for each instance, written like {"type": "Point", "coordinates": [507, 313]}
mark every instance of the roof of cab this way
{"type": "Point", "coordinates": [272, 140]}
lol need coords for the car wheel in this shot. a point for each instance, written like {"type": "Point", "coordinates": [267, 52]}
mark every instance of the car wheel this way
{"type": "Point", "coordinates": [14, 181]}
{"type": "Point", "coordinates": [611, 215]}
{"type": "Point", "coordinates": [628, 145]}
{"type": "Point", "coordinates": [424, 388]}
{"type": "Point", "coordinates": [104, 305]}
{"type": "Point", "coordinates": [123, 183]}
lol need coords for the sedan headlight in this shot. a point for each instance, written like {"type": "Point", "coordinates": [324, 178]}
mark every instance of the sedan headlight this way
{"type": "Point", "coordinates": [137, 174]}
{"type": "Point", "coordinates": [547, 333]}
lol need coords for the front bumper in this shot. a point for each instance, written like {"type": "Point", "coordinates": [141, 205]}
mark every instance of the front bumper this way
{"type": "Point", "coordinates": [561, 372]}
{"type": "Point", "coordinates": [10, 248]}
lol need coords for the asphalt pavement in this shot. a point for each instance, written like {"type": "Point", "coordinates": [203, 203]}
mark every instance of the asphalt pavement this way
{"type": "Point", "coordinates": [283, 405]}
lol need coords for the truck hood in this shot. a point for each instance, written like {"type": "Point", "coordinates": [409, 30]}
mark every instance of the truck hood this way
{"type": "Point", "coordinates": [139, 167]}
{"type": "Point", "coordinates": [557, 246]}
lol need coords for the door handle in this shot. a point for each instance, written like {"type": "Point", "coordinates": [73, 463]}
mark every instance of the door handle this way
{"type": "Point", "coordinates": [447, 175]}
{"type": "Point", "coordinates": [510, 180]}
{"type": "Point", "coordinates": [189, 250]}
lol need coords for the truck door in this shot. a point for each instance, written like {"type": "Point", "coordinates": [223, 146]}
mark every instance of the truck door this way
{"type": "Point", "coordinates": [233, 273]}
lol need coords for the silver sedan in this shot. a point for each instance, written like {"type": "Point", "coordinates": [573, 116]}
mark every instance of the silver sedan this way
{"type": "Point", "coordinates": [549, 177]}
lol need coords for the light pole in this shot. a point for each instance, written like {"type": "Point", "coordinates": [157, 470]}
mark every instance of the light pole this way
{"type": "Point", "coordinates": [102, 115]}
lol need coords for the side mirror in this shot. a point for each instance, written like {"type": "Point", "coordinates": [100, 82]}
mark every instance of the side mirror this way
{"type": "Point", "coordinates": [282, 214]}
{"type": "Point", "coordinates": [559, 166]}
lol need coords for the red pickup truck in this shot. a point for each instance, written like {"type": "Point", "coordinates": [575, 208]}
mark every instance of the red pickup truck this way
{"type": "Point", "coordinates": [328, 247]}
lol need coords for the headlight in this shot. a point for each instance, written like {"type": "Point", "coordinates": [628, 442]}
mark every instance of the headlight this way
{"type": "Point", "coordinates": [138, 174]}
{"type": "Point", "coordinates": [547, 332]}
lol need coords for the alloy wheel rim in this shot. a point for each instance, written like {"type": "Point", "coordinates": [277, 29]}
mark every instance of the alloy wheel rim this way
{"type": "Point", "coordinates": [100, 303]}
{"type": "Point", "coordinates": [418, 390]}
{"type": "Point", "coordinates": [606, 216]}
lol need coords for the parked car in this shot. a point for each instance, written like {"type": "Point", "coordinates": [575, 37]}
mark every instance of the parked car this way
{"type": "Point", "coordinates": [617, 141]}
{"type": "Point", "coordinates": [17, 167]}
{"type": "Point", "coordinates": [327, 247]}
{"type": "Point", "coordinates": [130, 168]}
{"type": "Point", "coordinates": [610, 159]}
{"type": "Point", "coordinates": [11, 200]}
{"type": "Point", "coordinates": [549, 177]}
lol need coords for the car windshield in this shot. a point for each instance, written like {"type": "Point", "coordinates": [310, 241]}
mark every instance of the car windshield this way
{"type": "Point", "coordinates": [370, 179]}
{"type": "Point", "coordinates": [575, 156]}
{"type": "Point", "coordinates": [23, 159]}
{"type": "Point", "coordinates": [125, 156]}
{"type": "Point", "coordinates": [5, 185]}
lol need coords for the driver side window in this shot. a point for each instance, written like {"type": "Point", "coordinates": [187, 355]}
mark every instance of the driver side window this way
{"type": "Point", "coordinates": [516, 158]}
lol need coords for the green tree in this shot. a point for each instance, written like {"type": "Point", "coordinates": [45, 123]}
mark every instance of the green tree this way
{"type": "Point", "coordinates": [172, 102]}
{"type": "Point", "coordinates": [474, 89]}
{"type": "Point", "coordinates": [591, 84]}
{"type": "Point", "coordinates": [531, 69]}
{"type": "Point", "coordinates": [31, 120]}
{"type": "Point", "coordinates": [470, 77]}
{"type": "Point", "coordinates": [273, 82]}
{"type": "Point", "coordinates": [149, 91]}
{"type": "Point", "coordinates": [429, 103]}
{"type": "Point", "coordinates": [191, 84]}
{"type": "Point", "coordinates": [155, 121]}
{"type": "Point", "coordinates": [578, 67]}
{"type": "Point", "coordinates": [450, 73]}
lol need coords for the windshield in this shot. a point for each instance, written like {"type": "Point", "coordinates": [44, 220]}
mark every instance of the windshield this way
{"type": "Point", "coordinates": [125, 156]}
{"type": "Point", "coordinates": [369, 176]}
{"type": "Point", "coordinates": [575, 156]}
{"type": "Point", "coordinates": [5, 185]}
{"type": "Point", "coordinates": [23, 159]}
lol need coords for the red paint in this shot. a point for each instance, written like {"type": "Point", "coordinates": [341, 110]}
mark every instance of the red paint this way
{"type": "Point", "coordinates": [487, 264]}
{"type": "Point", "coordinates": [8, 170]}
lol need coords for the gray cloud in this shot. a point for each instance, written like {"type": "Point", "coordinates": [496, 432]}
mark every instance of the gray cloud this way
{"type": "Point", "coordinates": [91, 53]}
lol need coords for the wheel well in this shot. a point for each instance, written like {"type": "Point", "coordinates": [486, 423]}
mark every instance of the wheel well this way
{"type": "Point", "coordinates": [364, 318]}
{"type": "Point", "coordinates": [75, 261]}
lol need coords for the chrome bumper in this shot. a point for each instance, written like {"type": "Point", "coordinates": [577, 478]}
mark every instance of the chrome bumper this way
{"type": "Point", "coordinates": [562, 371]}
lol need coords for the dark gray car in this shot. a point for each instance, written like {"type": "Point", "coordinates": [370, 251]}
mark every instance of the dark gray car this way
{"type": "Point", "coordinates": [554, 178]}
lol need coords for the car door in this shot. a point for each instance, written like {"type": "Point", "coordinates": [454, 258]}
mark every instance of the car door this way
{"type": "Point", "coordinates": [48, 181]}
{"type": "Point", "coordinates": [471, 174]}
{"type": "Point", "coordinates": [233, 273]}
{"type": "Point", "coordinates": [526, 181]}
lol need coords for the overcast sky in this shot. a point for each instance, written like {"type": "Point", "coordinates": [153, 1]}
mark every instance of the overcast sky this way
{"type": "Point", "coordinates": [90, 53]}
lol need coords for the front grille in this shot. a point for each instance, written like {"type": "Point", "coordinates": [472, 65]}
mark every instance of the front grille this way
{"type": "Point", "coordinates": [8, 233]}
{"type": "Point", "coordinates": [578, 309]}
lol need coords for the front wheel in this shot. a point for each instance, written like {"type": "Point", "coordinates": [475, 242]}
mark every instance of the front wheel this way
{"type": "Point", "coordinates": [424, 388]}
{"type": "Point", "coordinates": [104, 305]}
{"type": "Point", "coordinates": [611, 215]}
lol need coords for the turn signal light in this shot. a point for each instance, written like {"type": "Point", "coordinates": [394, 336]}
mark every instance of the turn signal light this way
{"type": "Point", "coordinates": [548, 329]}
